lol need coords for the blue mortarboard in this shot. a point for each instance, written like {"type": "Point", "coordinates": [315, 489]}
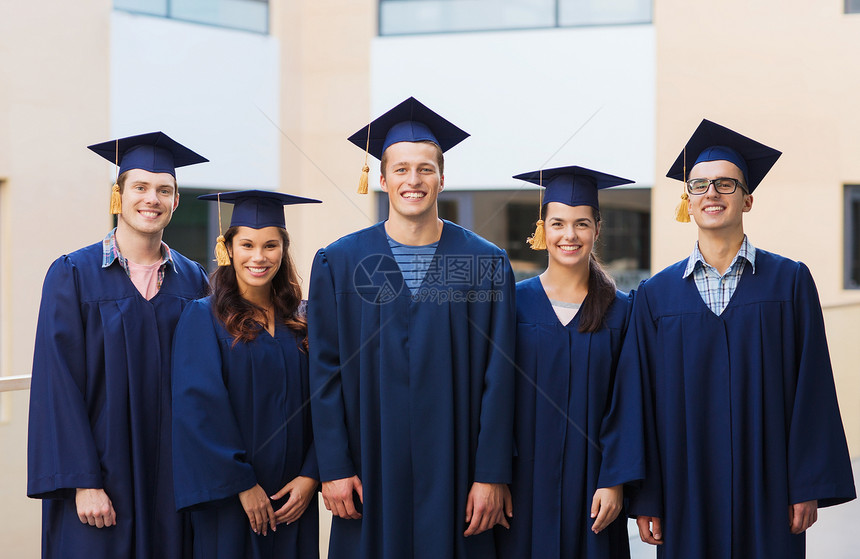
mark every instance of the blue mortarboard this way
{"type": "Point", "coordinates": [712, 142]}
{"type": "Point", "coordinates": [258, 208]}
{"type": "Point", "coordinates": [410, 121]}
{"type": "Point", "coordinates": [252, 208]}
{"type": "Point", "coordinates": [155, 152]}
{"type": "Point", "coordinates": [573, 185]}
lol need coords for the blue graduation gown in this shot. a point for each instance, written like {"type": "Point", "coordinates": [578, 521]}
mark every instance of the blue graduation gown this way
{"type": "Point", "coordinates": [413, 396]}
{"type": "Point", "coordinates": [240, 417]}
{"type": "Point", "coordinates": [741, 408]}
{"type": "Point", "coordinates": [578, 427]}
{"type": "Point", "coordinates": [100, 406]}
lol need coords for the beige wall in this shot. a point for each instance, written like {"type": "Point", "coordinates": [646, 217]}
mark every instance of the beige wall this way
{"type": "Point", "coordinates": [53, 103]}
{"type": "Point", "coordinates": [325, 86]}
{"type": "Point", "coordinates": [783, 73]}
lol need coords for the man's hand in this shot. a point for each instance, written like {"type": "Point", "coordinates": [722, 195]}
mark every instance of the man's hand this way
{"type": "Point", "coordinates": [95, 508]}
{"type": "Point", "coordinates": [802, 515]}
{"type": "Point", "coordinates": [337, 496]}
{"type": "Point", "coordinates": [605, 506]}
{"type": "Point", "coordinates": [650, 529]}
{"type": "Point", "coordinates": [259, 509]}
{"type": "Point", "coordinates": [488, 504]}
{"type": "Point", "coordinates": [301, 490]}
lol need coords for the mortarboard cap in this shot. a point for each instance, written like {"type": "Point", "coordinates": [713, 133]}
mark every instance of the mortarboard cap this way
{"type": "Point", "coordinates": [258, 208]}
{"type": "Point", "coordinates": [410, 121]}
{"type": "Point", "coordinates": [155, 152]}
{"type": "Point", "coordinates": [255, 209]}
{"type": "Point", "coordinates": [572, 186]}
{"type": "Point", "coordinates": [712, 142]}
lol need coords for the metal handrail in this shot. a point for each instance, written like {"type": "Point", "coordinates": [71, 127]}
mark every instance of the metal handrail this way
{"type": "Point", "coordinates": [20, 382]}
{"type": "Point", "coordinates": [840, 305]}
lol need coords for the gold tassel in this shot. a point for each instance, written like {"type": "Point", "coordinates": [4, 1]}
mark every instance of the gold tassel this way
{"type": "Point", "coordinates": [362, 180]}
{"type": "Point", "coordinates": [682, 210]}
{"type": "Point", "coordinates": [222, 257]}
{"type": "Point", "coordinates": [115, 200]}
{"type": "Point", "coordinates": [682, 213]}
{"type": "Point", "coordinates": [538, 239]}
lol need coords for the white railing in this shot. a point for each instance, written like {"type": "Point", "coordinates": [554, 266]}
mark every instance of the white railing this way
{"type": "Point", "coordinates": [21, 382]}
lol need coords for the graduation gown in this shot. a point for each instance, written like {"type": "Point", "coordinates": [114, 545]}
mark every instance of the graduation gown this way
{"type": "Point", "coordinates": [578, 427]}
{"type": "Point", "coordinates": [413, 395]}
{"type": "Point", "coordinates": [240, 417]}
{"type": "Point", "coordinates": [100, 406]}
{"type": "Point", "coordinates": [742, 413]}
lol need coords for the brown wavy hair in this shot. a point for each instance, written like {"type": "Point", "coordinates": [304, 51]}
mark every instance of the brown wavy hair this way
{"type": "Point", "coordinates": [241, 317]}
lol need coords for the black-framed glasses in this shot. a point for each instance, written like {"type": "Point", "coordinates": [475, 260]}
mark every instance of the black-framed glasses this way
{"type": "Point", "coordinates": [723, 185]}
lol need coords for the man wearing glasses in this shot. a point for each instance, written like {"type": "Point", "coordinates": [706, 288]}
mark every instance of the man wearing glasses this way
{"type": "Point", "coordinates": [745, 441]}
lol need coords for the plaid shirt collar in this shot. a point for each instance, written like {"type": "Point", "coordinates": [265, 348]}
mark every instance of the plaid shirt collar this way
{"type": "Point", "coordinates": [110, 254]}
{"type": "Point", "coordinates": [747, 252]}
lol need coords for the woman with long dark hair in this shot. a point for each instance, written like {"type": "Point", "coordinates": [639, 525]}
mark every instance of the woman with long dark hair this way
{"type": "Point", "coordinates": [244, 462]}
{"type": "Point", "coordinates": [578, 438]}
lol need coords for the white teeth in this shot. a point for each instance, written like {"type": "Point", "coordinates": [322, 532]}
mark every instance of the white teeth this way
{"type": "Point", "coordinates": [257, 270]}
{"type": "Point", "coordinates": [148, 214]}
{"type": "Point", "coordinates": [413, 195]}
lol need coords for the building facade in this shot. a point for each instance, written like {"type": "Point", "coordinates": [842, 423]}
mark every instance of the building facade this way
{"type": "Point", "coordinates": [269, 91]}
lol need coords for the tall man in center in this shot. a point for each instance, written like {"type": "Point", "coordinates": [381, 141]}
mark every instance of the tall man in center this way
{"type": "Point", "coordinates": [411, 322]}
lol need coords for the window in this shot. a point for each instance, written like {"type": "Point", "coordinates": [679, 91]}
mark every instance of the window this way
{"type": "Point", "coordinates": [193, 228]}
{"type": "Point", "coordinates": [248, 15]}
{"type": "Point", "coordinates": [852, 6]}
{"type": "Point", "coordinates": [402, 17]}
{"type": "Point", "coordinates": [852, 237]}
{"type": "Point", "coordinates": [507, 218]}
{"type": "Point", "coordinates": [624, 244]}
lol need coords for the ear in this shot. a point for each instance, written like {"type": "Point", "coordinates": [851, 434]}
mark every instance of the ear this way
{"type": "Point", "coordinates": [382, 183]}
{"type": "Point", "coordinates": [176, 201]}
{"type": "Point", "coordinates": [441, 183]}
{"type": "Point", "coordinates": [748, 202]}
{"type": "Point", "coordinates": [597, 231]}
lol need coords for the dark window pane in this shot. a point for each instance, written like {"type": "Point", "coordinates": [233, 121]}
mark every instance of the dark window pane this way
{"type": "Point", "coordinates": [852, 237]}
{"type": "Point", "coordinates": [448, 210]}
{"type": "Point", "coordinates": [194, 228]}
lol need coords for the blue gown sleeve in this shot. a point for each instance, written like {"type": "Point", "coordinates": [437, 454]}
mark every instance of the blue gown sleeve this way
{"type": "Point", "coordinates": [327, 405]}
{"type": "Point", "coordinates": [209, 458]}
{"type": "Point", "coordinates": [310, 466]}
{"type": "Point", "coordinates": [637, 361]}
{"type": "Point", "coordinates": [495, 438]}
{"type": "Point", "coordinates": [622, 438]}
{"type": "Point", "coordinates": [61, 453]}
{"type": "Point", "coordinates": [819, 467]}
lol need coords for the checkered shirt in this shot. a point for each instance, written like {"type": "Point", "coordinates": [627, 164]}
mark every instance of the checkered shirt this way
{"type": "Point", "coordinates": [717, 290]}
{"type": "Point", "coordinates": [111, 254]}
